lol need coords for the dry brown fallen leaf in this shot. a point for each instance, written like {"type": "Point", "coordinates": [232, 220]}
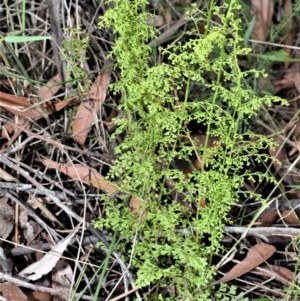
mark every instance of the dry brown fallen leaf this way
{"type": "Point", "coordinates": [88, 110]}
{"type": "Point", "coordinates": [290, 217]}
{"type": "Point", "coordinates": [256, 256]}
{"type": "Point", "coordinates": [32, 108]}
{"type": "Point", "coordinates": [82, 173]}
{"type": "Point", "coordinates": [47, 92]}
{"type": "Point", "coordinates": [24, 123]}
{"type": "Point", "coordinates": [136, 206]}
{"type": "Point", "coordinates": [50, 89]}
{"type": "Point", "coordinates": [156, 21]}
{"type": "Point", "coordinates": [263, 11]}
{"type": "Point", "coordinates": [267, 218]}
{"type": "Point", "coordinates": [281, 271]}
{"type": "Point", "coordinates": [91, 177]}
{"type": "Point", "coordinates": [19, 105]}
{"type": "Point", "coordinates": [12, 292]}
{"type": "Point", "coordinates": [277, 273]}
{"type": "Point", "coordinates": [62, 279]}
{"type": "Point", "coordinates": [40, 296]}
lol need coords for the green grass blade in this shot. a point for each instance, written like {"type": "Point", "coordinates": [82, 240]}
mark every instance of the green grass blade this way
{"type": "Point", "coordinates": [105, 265]}
{"type": "Point", "coordinates": [22, 39]}
{"type": "Point", "coordinates": [249, 31]}
{"type": "Point", "coordinates": [276, 56]}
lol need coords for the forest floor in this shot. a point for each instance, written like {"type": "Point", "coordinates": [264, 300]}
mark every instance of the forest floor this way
{"type": "Point", "coordinates": [56, 150]}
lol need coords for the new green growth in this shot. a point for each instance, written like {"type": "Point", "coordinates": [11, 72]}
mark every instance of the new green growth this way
{"type": "Point", "coordinates": [158, 106]}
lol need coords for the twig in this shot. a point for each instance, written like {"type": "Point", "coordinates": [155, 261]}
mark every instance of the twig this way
{"type": "Point", "coordinates": [175, 11]}
{"type": "Point", "coordinates": [25, 250]}
{"type": "Point", "coordinates": [8, 161]}
{"type": "Point", "coordinates": [266, 231]}
{"type": "Point", "coordinates": [15, 186]}
{"type": "Point", "coordinates": [275, 44]}
{"type": "Point", "coordinates": [34, 287]}
{"type": "Point", "coordinates": [169, 32]}
{"type": "Point", "coordinates": [123, 295]}
{"type": "Point", "coordinates": [12, 197]}
{"type": "Point", "coordinates": [54, 7]}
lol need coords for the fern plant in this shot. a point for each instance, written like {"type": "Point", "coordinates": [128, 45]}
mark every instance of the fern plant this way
{"type": "Point", "coordinates": [158, 109]}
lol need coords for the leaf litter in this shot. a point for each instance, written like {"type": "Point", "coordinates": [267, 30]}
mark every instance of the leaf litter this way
{"type": "Point", "coordinates": [48, 261]}
{"type": "Point", "coordinates": [62, 167]}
